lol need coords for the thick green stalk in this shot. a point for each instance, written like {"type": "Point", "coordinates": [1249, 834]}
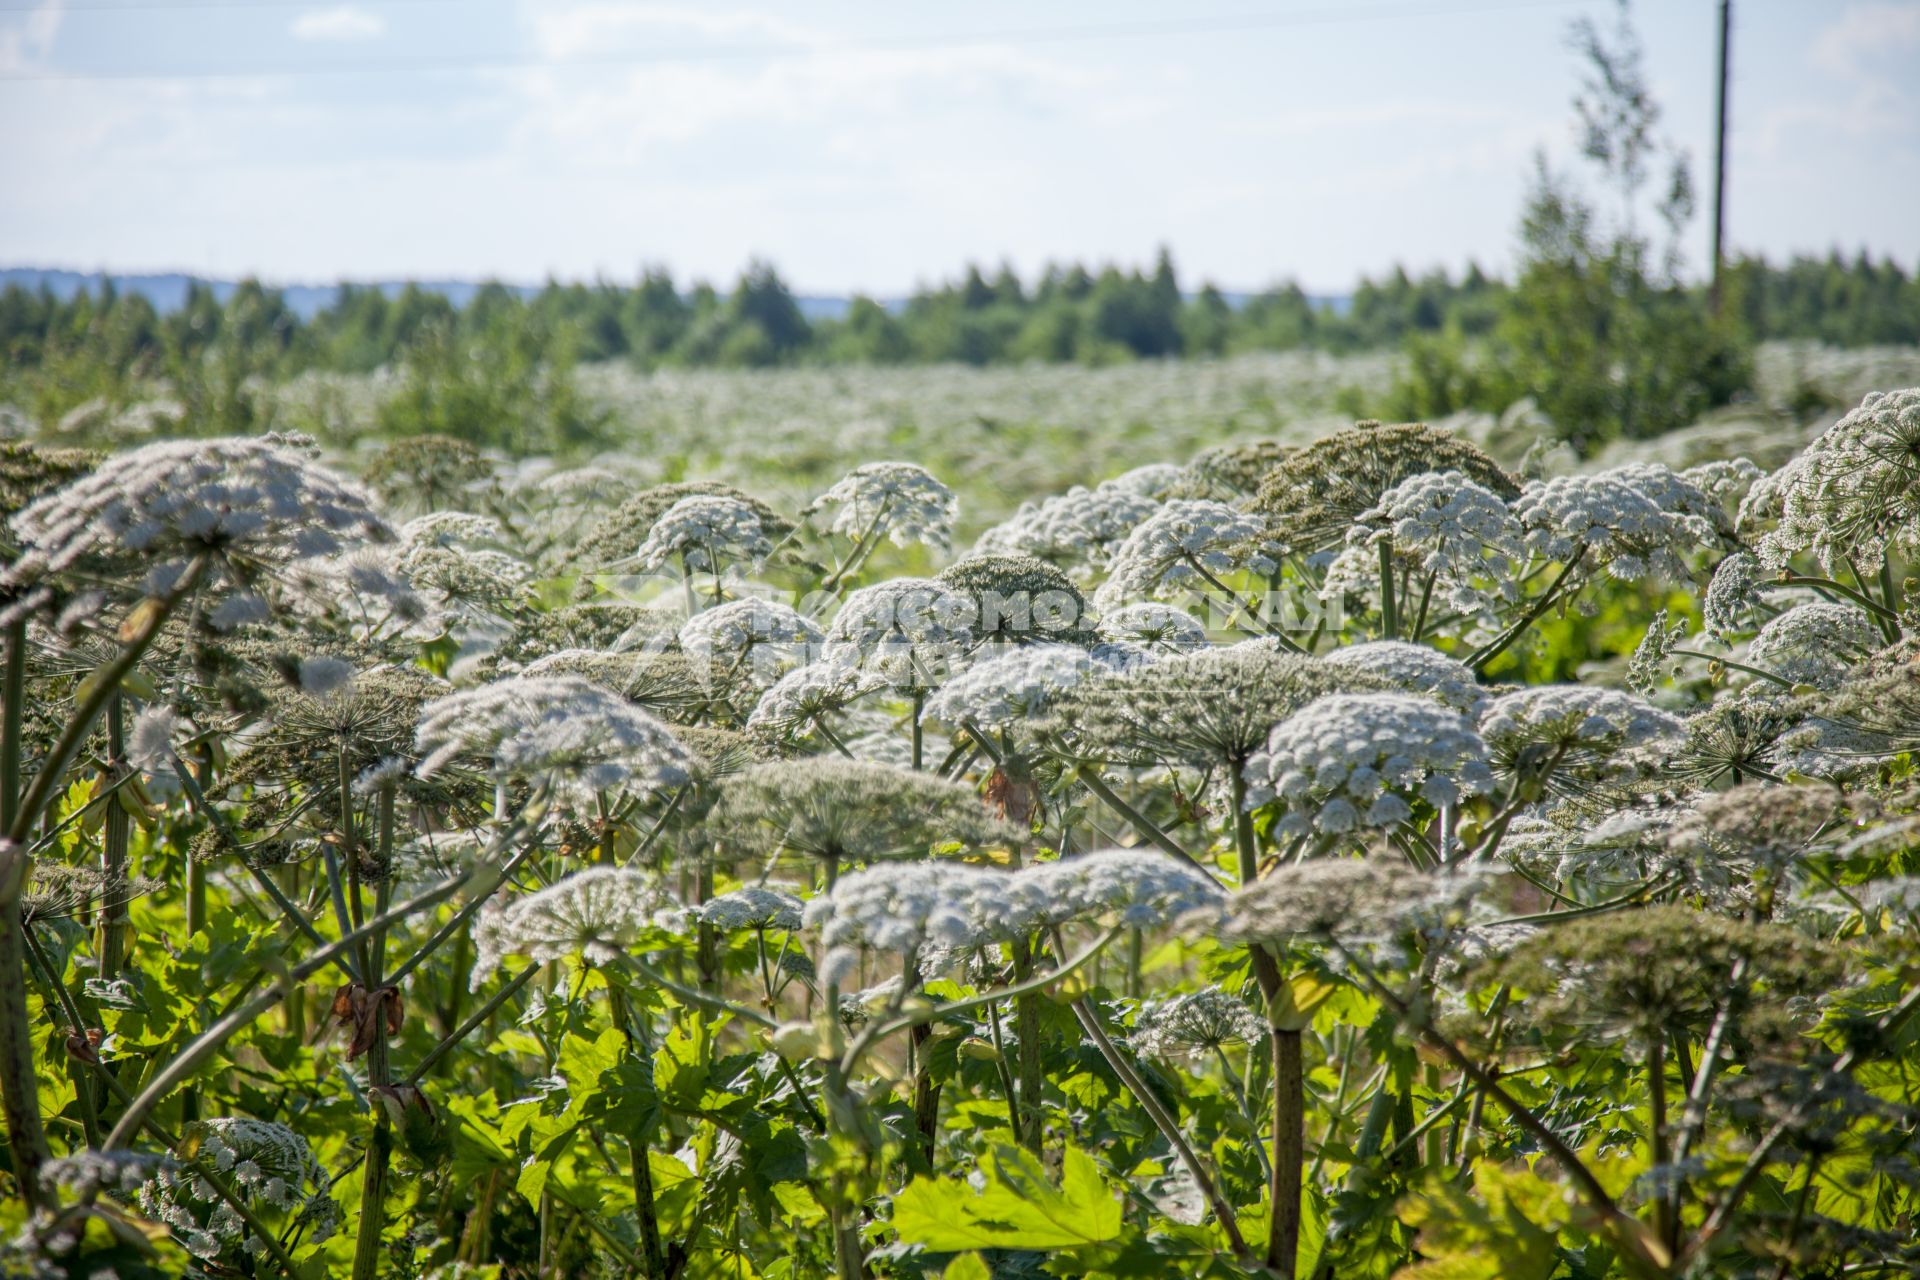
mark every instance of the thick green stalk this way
{"type": "Point", "coordinates": [1389, 616]}
{"type": "Point", "coordinates": [373, 1185]}
{"type": "Point", "coordinates": [115, 837]}
{"type": "Point", "coordinates": [19, 1086]}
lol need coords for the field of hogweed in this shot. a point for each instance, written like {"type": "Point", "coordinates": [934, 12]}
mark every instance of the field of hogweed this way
{"type": "Point", "coordinates": [1392, 853]}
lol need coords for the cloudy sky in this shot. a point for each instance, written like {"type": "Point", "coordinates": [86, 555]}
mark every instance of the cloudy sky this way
{"type": "Point", "coordinates": [871, 146]}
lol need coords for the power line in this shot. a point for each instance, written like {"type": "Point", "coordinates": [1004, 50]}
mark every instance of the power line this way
{"type": "Point", "coordinates": [1223, 24]}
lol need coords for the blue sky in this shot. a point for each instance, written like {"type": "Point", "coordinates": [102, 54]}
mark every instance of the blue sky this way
{"type": "Point", "coordinates": [872, 146]}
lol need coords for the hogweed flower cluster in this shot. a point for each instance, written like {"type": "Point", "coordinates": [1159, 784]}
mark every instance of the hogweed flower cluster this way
{"type": "Point", "coordinates": [1077, 530]}
{"type": "Point", "coordinates": [901, 500]}
{"type": "Point", "coordinates": [595, 914]}
{"type": "Point", "coordinates": [559, 732]}
{"type": "Point", "coordinates": [269, 1164]}
{"type": "Point", "coordinates": [250, 507]}
{"type": "Point", "coordinates": [1350, 761]}
{"type": "Point", "coordinates": [706, 534]}
{"type": "Point", "coordinates": [1195, 1023]}
{"type": "Point", "coordinates": [1184, 544]}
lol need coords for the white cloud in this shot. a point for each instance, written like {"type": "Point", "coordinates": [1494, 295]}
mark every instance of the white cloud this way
{"type": "Point", "coordinates": [1864, 34]}
{"type": "Point", "coordinates": [345, 22]}
{"type": "Point", "coordinates": [28, 45]}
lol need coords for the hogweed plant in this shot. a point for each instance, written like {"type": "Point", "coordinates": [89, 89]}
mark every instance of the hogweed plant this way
{"type": "Point", "coordinates": [1337, 860]}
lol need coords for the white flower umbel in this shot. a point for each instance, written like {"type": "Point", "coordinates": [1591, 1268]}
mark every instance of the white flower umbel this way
{"type": "Point", "coordinates": [559, 732]}
{"type": "Point", "coordinates": [706, 535]}
{"type": "Point", "coordinates": [250, 506]}
{"type": "Point", "coordinates": [1574, 731]}
{"type": "Point", "coordinates": [1416, 669]}
{"type": "Point", "coordinates": [1815, 643]}
{"type": "Point", "coordinates": [1459, 536]}
{"type": "Point", "coordinates": [1733, 594]}
{"type": "Point", "coordinates": [758, 640]}
{"type": "Point", "coordinates": [453, 529]}
{"type": "Point", "coordinates": [907, 909]}
{"type": "Point", "coordinates": [1183, 545]}
{"type": "Point", "coordinates": [1010, 689]}
{"type": "Point", "coordinates": [1140, 888]}
{"type": "Point", "coordinates": [1352, 901]}
{"type": "Point", "coordinates": [901, 500]}
{"type": "Point", "coordinates": [1077, 530]}
{"type": "Point", "coordinates": [904, 633]}
{"type": "Point", "coordinates": [757, 906]}
{"type": "Point", "coordinates": [1352, 761]}
{"type": "Point", "coordinates": [1725, 481]}
{"type": "Point", "coordinates": [1617, 520]}
{"type": "Point", "coordinates": [150, 749]}
{"type": "Point", "coordinates": [363, 593]}
{"type": "Point", "coordinates": [1153, 628]}
{"type": "Point", "coordinates": [596, 914]}
{"type": "Point", "coordinates": [799, 702]}
{"type": "Point", "coordinates": [1856, 490]}
{"type": "Point", "coordinates": [1154, 480]}
{"type": "Point", "coordinates": [270, 1166]}
{"type": "Point", "coordinates": [1195, 1024]}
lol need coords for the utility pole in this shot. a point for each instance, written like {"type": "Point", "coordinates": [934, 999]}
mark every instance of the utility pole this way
{"type": "Point", "coordinates": [1720, 162]}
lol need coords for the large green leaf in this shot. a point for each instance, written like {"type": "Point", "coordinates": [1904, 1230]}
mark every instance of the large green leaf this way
{"type": "Point", "coordinates": [1017, 1209]}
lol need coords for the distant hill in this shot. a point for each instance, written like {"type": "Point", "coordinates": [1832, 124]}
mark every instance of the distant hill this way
{"type": "Point", "coordinates": [168, 291]}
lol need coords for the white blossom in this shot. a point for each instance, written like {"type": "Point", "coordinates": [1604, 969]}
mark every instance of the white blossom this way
{"type": "Point", "coordinates": [1349, 761]}
{"type": "Point", "coordinates": [899, 499]}
{"type": "Point", "coordinates": [757, 906]}
{"type": "Point", "coordinates": [795, 703]}
{"type": "Point", "coordinates": [1354, 901]}
{"type": "Point", "coordinates": [1416, 669]}
{"type": "Point", "coordinates": [1154, 480]}
{"type": "Point", "coordinates": [1011, 688]}
{"type": "Point", "coordinates": [1733, 594]}
{"type": "Point", "coordinates": [1578, 730]}
{"type": "Point", "coordinates": [1461, 535]}
{"type": "Point", "coordinates": [269, 1165]}
{"type": "Point", "coordinates": [560, 732]}
{"type": "Point", "coordinates": [1618, 520]}
{"type": "Point", "coordinates": [1815, 643]}
{"type": "Point", "coordinates": [1140, 888]}
{"type": "Point", "coordinates": [1195, 1023]}
{"type": "Point", "coordinates": [1153, 627]}
{"type": "Point", "coordinates": [1181, 545]}
{"type": "Point", "coordinates": [906, 909]}
{"type": "Point", "coordinates": [1077, 529]}
{"type": "Point", "coordinates": [596, 914]}
{"type": "Point", "coordinates": [758, 639]}
{"type": "Point", "coordinates": [1856, 491]}
{"type": "Point", "coordinates": [251, 504]}
{"type": "Point", "coordinates": [903, 633]}
{"type": "Point", "coordinates": [706, 534]}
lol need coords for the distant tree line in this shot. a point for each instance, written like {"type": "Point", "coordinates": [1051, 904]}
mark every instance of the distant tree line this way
{"type": "Point", "coordinates": [1067, 314]}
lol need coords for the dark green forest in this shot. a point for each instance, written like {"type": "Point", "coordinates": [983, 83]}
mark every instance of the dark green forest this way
{"type": "Point", "coordinates": [1068, 313]}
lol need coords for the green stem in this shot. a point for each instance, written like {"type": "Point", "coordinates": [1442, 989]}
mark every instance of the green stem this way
{"type": "Point", "coordinates": [1090, 774]}
{"type": "Point", "coordinates": [19, 1084]}
{"type": "Point", "coordinates": [202, 1047]}
{"type": "Point", "coordinates": [1389, 615]}
{"type": "Point", "coordinates": [1880, 612]}
{"type": "Point", "coordinates": [115, 916]}
{"type": "Point", "coordinates": [1494, 648]}
{"type": "Point", "coordinates": [373, 1185]}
